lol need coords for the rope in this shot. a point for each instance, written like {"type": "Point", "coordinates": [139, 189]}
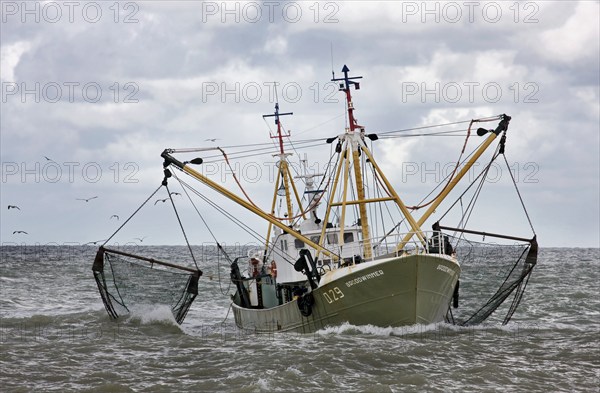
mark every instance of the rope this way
{"type": "Point", "coordinates": [271, 149]}
{"type": "Point", "coordinates": [439, 184]}
{"type": "Point", "coordinates": [439, 133]}
{"type": "Point", "coordinates": [231, 217]}
{"type": "Point", "coordinates": [269, 146]}
{"type": "Point", "coordinates": [483, 119]}
{"type": "Point", "coordinates": [519, 194]}
{"type": "Point", "coordinates": [227, 315]}
{"type": "Point", "coordinates": [471, 205]}
{"type": "Point", "coordinates": [235, 177]}
{"type": "Point", "coordinates": [416, 207]}
{"type": "Point", "coordinates": [214, 238]}
{"type": "Point", "coordinates": [180, 224]}
{"type": "Point", "coordinates": [320, 124]}
{"type": "Point", "coordinates": [130, 217]}
{"type": "Point", "coordinates": [468, 188]}
{"type": "Point", "coordinates": [301, 214]}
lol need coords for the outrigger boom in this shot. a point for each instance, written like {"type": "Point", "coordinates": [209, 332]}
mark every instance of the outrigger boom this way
{"type": "Point", "coordinates": [502, 126]}
{"type": "Point", "coordinates": [170, 160]}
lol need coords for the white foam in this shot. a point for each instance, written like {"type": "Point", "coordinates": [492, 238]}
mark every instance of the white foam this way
{"type": "Point", "coordinates": [152, 313]}
{"type": "Point", "coordinates": [347, 328]}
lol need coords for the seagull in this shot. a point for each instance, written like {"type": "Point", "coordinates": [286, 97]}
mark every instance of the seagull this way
{"type": "Point", "coordinates": [20, 232]}
{"type": "Point", "coordinates": [114, 215]}
{"type": "Point", "coordinates": [161, 200]}
{"type": "Point", "coordinates": [174, 193]}
{"type": "Point", "coordinates": [86, 199]}
{"type": "Point", "coordinates": [211, 139]}
{"type": "Point", "coordinates": [140, 239]}
{"type": "Point", "coordinates": [96, 242]}
{"type": "Point", "coordinates": [13, 207]}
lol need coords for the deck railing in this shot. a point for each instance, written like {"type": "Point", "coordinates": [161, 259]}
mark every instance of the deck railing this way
{"type": "Point", "coordinates": [436, 243]}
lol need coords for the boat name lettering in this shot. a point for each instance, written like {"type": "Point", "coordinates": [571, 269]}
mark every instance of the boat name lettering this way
{"type": "Point", "coordinates": [366, 277]}
{"type": "Point", "coordinates": [446, 269]}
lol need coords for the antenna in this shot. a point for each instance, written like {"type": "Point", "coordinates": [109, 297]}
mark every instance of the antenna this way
{"type": "Point", "coordinates": [348, 81]}
{"type": "Point", "coordinates": [276, 115]}
{"type": "Point", "coordinates": [332, 72]}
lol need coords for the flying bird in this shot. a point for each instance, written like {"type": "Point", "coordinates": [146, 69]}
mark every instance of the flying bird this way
{"type": "Point", "coordinates": [48, 159]}
{"type": "Point", "coordinates": [96, 242]}
{"type": "Point", "coordinates": [174, 193]}
{"type": "Point", "coordinates": [20, 232]}
{"type": "Point", "coordinates": [161, 200]}
{"type": "Point", "coordinates": [114, 215]}
{"type": "Point", "coordinates": [140, 239]}
{"type": "Point", "coordinates": [86, 199]}
{"type": "Point", "coordinates": [13, 207]}
{"type": "Point", "coordinates": [211, 139]}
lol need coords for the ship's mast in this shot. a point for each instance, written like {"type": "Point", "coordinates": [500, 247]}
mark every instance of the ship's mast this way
{"type": "Point", "coordinates": [353, 149]}
{"type": "Point", "coordinates": [351, 146]}
{"type": "Point", "coordinates": [284, 180]}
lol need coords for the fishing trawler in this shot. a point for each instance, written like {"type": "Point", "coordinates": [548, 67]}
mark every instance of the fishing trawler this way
{"type": "Point", "coordinates": [352, 265]}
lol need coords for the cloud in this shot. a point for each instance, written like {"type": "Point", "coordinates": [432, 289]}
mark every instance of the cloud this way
{"type": "Point", "coordinates": [276, 46]}
{"type": "Point", "coordinates": [10, 55]}
{"type": "Point", "coordinates": [194, 73]}
{"type": "Point", "coordinates": [576, 39]}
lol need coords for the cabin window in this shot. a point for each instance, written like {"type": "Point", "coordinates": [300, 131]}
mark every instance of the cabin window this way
{"type": "Point", "coordinates": [299, 244]}
{"type": "Point", "coordinates": [315, 239]}
{"type": "Point", "coordinates": [348, 237]}
{"type": "Point", "coordinates": [332, 238]}
{"type": "Point", "coordinates": [284, 245]}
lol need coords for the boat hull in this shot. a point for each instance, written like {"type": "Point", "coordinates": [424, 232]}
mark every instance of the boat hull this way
{"type": "Point", "coordinates": [399, 291]}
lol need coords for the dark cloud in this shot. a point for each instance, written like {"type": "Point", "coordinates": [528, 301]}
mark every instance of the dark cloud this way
{"type": "Point", "coordinates": [154, 74]}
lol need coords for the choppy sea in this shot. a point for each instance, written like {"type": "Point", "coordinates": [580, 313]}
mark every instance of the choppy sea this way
{"type": "Point", "coordinates": [55, 335]}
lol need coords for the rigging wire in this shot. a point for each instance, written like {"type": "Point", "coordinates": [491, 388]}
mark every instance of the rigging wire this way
{"type": "Point", "coordinates": [230, 216]}
{"type": "Point", "coordinates": [321, 124]}
{"type": "Point", "coordinates": [471, 205]}
{"type": "Point", "coordinates": [302, 213]}
{"type": "Point", "coordinates": [259, 238]}
{"type": "Point", "coordinates": [469, 209]}
{"type": "Point", "coordinates": [382, 135]}
{"type": "Point", "coordinates": [133, 214]}
{"type": "Point", "coordinates": [439, 133]}
{"type": "Point", "coordinates": [180, 224]}
{"type": "Point", "coordinates": [518, 193]}
{"type": "Point", "coordinates": [269, 148]}
{"type": "Point", "coordinates": [447, 176]}
{"type": "Point", "coordinates": [266, 148]}
{"type": "Point", "coordinates": [213, 236]}
{"type": "Point", "coordinates": [451, 175]}
{"type": "Point", "coordinates": [270, 152]}
{"type": "Point", "coordinates": [482, 119]}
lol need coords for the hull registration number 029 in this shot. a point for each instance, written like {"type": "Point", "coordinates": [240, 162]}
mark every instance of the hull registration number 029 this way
{"type": "Point", "coordinates": [333, 295]}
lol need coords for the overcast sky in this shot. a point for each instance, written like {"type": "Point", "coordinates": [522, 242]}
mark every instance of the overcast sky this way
{"type": "Point", "coordinates": [93, 92]}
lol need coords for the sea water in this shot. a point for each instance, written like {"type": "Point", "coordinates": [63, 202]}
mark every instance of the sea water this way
{"type": "Point", "coordinates": [56, 336]}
